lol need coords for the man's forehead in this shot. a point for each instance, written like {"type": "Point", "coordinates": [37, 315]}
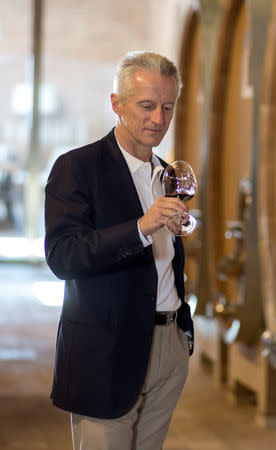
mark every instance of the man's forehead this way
{"type": "Point", "coordinates": [143, 81]}
{"type": "Point", "coordinates": [149, 76]}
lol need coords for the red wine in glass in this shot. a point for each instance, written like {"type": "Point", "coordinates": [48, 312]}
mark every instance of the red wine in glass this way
{"type": "Point", "coordinates": [180, 181]}
{"type": "Point", "coordinates": [183, 197]}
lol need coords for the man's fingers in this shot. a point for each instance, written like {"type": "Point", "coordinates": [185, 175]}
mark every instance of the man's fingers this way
{"type": "Point", "coordinates": [169, 206]}
{"type": "Point", "coordinates": [167, 212]}
{"type": "Point", "coordinates": [158, 214]}
{"type": "Point", "coordinates": [173, 203]}
{"type": "Point", "coordinates": [173, 226]}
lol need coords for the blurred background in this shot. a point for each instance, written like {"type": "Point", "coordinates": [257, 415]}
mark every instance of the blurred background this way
{"type": "Point", "coordinates": [58, 59]}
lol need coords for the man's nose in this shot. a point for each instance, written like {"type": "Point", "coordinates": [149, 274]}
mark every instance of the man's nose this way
{"type": "Point", "coordinates": [158, 116]}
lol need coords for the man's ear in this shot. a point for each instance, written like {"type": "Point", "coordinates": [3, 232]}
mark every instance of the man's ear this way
{"type": "Point", "coordinates": [115, 102]}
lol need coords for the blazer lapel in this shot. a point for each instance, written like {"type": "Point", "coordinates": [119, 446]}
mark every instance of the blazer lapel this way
{"type": "Point", "coordinates": [120, 178]}
{"type": "Point", "coordinates": [121, 182]}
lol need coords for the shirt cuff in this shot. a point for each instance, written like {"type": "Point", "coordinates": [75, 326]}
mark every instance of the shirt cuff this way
{"type": "Point", "coordinates": [145, 240]}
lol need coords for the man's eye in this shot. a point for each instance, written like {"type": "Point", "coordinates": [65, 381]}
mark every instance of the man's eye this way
{"type": "Point", "coordinates": [168, 108]}
{"type": "Point", "coordinates": [147, 107]}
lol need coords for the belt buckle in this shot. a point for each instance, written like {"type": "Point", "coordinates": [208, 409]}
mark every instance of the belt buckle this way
{"type": "Point", "coordinates": [170, 317]}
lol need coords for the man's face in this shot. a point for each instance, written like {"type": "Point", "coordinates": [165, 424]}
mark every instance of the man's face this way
{"type": "Point", "coordinates": [146, 113]}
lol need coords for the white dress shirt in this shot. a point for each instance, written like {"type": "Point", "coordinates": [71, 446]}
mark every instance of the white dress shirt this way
{"type": "Point", "coordinates": [148, 186]}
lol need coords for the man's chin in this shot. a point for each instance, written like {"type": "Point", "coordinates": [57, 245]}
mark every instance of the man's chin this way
{"type": "Point", "coordinates": [155, 141]}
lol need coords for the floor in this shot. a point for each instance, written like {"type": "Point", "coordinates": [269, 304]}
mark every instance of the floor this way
{"type": "Point", "coordinates": [203, 420]}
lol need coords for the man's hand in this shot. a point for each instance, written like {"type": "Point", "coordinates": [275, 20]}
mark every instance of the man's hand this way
{"type": "Point", "coordinates": [157, 215]}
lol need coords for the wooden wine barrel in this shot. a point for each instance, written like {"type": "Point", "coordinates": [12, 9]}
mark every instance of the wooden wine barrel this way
{"type": "Point", "coordinates": [229, 211]}
{"type": "Point", "coordinates": [267, 180]}
{"type": "Point", "coordinates": [247, 362]}
{"type": "Point", "coordinates": [228, 172]}
{"type": "Point", "coordinates": [188, 124]}
{"type": "Point", "coordinates": [189, 108]}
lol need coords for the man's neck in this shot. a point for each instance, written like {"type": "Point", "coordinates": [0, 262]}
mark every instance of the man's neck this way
{"type": "Point", "coordinates": [134, 148]}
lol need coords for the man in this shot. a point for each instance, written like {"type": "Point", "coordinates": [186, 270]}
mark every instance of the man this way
{"type": "Point", "coordinates": [125, 332]}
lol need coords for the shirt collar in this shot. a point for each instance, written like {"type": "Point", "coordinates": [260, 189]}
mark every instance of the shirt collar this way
{"type": "Point", "coordinates": [134, 164]}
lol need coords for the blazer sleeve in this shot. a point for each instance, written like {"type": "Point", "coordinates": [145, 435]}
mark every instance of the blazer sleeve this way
{"type": "Point", "coordinates": [74, 247]}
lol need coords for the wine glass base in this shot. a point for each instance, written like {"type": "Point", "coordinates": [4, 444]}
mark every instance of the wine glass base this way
{"type": "Point", "coordinates": [181, 224]}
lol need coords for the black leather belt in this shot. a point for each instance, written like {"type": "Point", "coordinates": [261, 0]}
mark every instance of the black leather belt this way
{"type": "Point", "coordinates": [165, 317]}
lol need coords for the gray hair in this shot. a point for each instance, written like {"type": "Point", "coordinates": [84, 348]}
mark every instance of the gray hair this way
{"type": "Point", "coordinates": [143, 60]}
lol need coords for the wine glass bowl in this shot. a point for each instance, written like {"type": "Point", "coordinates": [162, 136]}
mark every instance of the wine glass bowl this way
{"type": "Point", "coordinates": [180, 181]}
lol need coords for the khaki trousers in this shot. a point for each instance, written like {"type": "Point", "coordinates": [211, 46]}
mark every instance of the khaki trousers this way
{"type": "Point", "coordinates": [146, 425]}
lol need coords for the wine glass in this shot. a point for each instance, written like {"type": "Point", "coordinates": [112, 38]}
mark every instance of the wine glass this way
{"type": "Point", "coordinates": [180, 181]}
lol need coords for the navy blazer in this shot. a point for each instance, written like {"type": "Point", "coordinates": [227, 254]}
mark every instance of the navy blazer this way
{"type": "Point", "coordinates": [107, 321]}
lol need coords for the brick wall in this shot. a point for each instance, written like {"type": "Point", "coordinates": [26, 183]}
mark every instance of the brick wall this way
{"type": "Point", "coordinates": [82, 43]}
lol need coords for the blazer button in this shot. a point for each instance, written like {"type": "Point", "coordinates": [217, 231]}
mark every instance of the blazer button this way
{"type": "Point", "coordinates": [149, 294]}
{"type": "Point", "coordinates": [148, 336]}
